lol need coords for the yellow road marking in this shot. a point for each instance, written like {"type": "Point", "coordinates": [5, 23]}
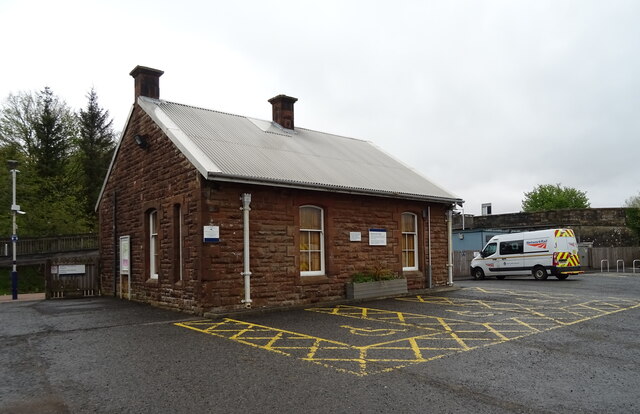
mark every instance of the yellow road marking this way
{"type": "Point", "coordinates": [443, 336]}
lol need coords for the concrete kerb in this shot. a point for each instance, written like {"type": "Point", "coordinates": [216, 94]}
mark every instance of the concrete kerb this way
{"type": "Point", "coordinates": [23, 297]}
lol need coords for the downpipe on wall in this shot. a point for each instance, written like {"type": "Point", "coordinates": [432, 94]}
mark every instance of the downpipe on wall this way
{"type": "Point", "coordinates": [246, 272]}
{"type": "Point", "coordinates": [450, 245]}
{"type": "Point", "coordinates": [426, 214]}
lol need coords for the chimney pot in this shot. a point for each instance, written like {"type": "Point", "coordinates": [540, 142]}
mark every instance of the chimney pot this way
{"type": "Point", "coordinates": [282, 110]}
{"type": "Point", "coordinates": [147, 82]}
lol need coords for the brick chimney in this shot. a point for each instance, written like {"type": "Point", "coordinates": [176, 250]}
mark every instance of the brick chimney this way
{"type": "Point", "coordinates": [282, 110]}
{"type": "Point", "coordinates": [147, 82]}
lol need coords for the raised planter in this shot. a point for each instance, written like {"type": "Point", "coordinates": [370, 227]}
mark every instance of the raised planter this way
{"type": "Point", "coordinates": [376, 289]}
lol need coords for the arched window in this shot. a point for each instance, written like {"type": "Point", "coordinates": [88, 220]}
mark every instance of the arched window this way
{"type": "Point", "coordinates": [154, 245]}
{"type": "Point", "coordinates": [311, 241]}
{"type": "Point", "coordinates": [409, 228]}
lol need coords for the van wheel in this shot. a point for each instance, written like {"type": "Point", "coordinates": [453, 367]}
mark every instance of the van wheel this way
{"type": "Point", "coordinates": [561, 276]}
{"type": "Point", "coordinates": [539, 273]}
{"type": "Point", "coordinates": [501, 277]}
{"type": "Point", "coordinates": [477, 273]}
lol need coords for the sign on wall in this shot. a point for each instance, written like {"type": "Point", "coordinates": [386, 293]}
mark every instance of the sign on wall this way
{"type": "Point", "coordinates": [355, 236]}
{"type": "Point", "coordinates": [125, 255]}
{"type": "Point", "coordinates": [377, 237]}
{"type": "Point", "coordinates": [78, 269]}
{"type": "Point", "coordinates": [211, 234]}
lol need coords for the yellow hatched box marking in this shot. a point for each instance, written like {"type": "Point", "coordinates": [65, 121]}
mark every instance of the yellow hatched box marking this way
{"type": "Point", "coordinates": [440, 336]}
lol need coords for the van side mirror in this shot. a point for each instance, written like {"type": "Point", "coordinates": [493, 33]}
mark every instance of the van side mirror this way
{"type": "Point", "coordinates": [476, 254]}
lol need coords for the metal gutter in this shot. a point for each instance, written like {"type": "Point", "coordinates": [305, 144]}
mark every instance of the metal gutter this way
{"type": "Point", "coordinates": [328, 188]}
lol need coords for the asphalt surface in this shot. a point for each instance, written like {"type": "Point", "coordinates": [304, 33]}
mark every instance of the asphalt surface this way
{"type": "Point", "coordinates": [511, 346]}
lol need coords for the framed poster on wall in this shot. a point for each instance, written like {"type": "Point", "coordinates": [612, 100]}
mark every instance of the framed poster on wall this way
{"type": "Point", "coordinates": [125, 265]}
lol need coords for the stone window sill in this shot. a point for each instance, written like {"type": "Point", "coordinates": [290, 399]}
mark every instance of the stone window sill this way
{"type": "Point", "coordinates": [314, 280]}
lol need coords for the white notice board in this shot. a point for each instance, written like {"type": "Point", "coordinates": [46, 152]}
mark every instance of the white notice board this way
{"type": "Point", "coordinates": [211, 234]}
{"type": "Point", "coordinates": [377, 237]}
{"type": "Point", "coordinates": [125, 255]}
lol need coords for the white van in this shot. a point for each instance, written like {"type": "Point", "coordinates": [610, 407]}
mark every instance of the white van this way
{"type": "Point", "coordinates": [539, 253]}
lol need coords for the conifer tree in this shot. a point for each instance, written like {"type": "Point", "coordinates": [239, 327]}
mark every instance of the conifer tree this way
{"type": "Point", "coordinates": [95, 145]}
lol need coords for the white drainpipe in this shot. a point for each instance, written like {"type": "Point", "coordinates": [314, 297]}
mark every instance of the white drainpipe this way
{"type": "Point", "coordinates": [246, 273]}
{"type": "Point", "coordinates": [450, 237]}
{"type": "Point", "coordinates": [429, 272]}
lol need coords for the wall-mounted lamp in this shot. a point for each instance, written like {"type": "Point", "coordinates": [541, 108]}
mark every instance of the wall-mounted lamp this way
{"type": "Point", "coordinates": [141, 140]}
{"type": "Point", "coordinates": [461, 236]}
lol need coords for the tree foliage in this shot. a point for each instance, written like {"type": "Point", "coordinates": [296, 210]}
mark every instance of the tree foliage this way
{"type": "Point", "coordinates": [633, 214]}
{"type": "Point", "coordinates": [553, 197]}
{"type": "Point", "coordinates": [95, 144]}
{"type": "Point", "coordinates": [53, 127]}
{"type": "Point", "coordinates": [61, 162]}
{"type": "Point", "coordinates": [633, 201]}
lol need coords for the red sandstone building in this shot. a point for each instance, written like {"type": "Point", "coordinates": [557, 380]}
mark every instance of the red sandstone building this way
{"type": "Point", "coordinates": [206, 211]}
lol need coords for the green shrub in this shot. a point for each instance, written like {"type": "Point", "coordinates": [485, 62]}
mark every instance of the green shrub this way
{"type": "Point", "coordinates": [376, 273]}
{"type": "Point", "coordinates": [30, 279]}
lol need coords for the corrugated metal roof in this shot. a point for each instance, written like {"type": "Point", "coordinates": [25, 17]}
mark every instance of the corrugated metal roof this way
{"type": "Point", "coordinates": [231, 147]}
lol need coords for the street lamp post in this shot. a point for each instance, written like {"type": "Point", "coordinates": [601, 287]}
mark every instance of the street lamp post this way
{"type": "Point", "coordinates": [13, 165]}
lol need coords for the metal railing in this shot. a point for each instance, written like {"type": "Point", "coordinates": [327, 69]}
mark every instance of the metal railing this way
{"type": "Point", "coordinates": [44, 245]}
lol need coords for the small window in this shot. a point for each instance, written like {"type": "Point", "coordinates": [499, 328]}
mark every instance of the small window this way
{"type": "Point", "coordinates": [409, 227]}
{"type": "Point", "coordinates": [511, 247]}
{"type": "Point", "coordinates": [311, 241]}
{"type": "Point", "coordinates": [153, 244]}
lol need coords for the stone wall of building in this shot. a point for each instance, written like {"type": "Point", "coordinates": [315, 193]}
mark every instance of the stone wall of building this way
{"type": "Point", "coordinates": [160, 178]}
{"type": "Point", "coordinates": [156, 177]}
{"type": "Point", "coordinates": [274, 240]}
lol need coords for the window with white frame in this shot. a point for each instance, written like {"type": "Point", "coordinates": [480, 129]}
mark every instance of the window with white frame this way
{"type": "Point", "coordinates": [409, 228]}
{"type": "Point", "coordinates": [153, 244]}
{"type": "Point", "coordinates": [311, 241]}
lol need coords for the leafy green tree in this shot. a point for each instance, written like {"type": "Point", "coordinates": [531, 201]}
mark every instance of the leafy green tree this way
{"type": "Point", "coordinates": [554, 197]}
{"type": "Point", "coordinates": [95, 145]}
{"type": "Point", "coordinates": [633, 214]}
{"type": "Point", "coordinates": [17, 120]}
{"type": "Point", "coordinates": [633, 201]}
{"type": "Point", "coordinates": [38, 131]}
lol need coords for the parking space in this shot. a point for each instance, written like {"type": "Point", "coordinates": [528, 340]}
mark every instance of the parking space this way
{"type": "Point", "coordinates": [387, 335]}
{"type": "Point", "coordinates": [491, 346]}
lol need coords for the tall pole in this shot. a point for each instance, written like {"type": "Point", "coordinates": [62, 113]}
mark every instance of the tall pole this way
{"type": "Point", "coordinates": [14, 236]}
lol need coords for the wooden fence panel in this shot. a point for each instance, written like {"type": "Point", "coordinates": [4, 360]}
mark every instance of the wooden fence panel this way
{"type": "Point", "coordinates": [612, 254]}
{"type": "Point", "coordinates": [84, 283]}
{"type": "Point", "coordinates": [461, 263]}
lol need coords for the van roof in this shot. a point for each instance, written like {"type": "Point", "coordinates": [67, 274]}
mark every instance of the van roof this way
{"type": "Point", "coordinates": [527, 235]}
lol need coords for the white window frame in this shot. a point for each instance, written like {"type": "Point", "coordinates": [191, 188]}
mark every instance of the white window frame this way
{"type": "Point", "coordinates": [415, 242]}
{"type": "Point", "coordinates": [153, 244]}
{"type": "Point", "coordinates": [321, 231]}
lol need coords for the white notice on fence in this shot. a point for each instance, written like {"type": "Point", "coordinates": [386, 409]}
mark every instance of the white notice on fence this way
{"type": "Point", "coordinates": [377, 237]}
{"type": "Point", "coordinates": [71, 269]}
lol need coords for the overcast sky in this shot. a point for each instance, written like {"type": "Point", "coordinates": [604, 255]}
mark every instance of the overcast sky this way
{"type": "Point", "coordinates": [486, 98]}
